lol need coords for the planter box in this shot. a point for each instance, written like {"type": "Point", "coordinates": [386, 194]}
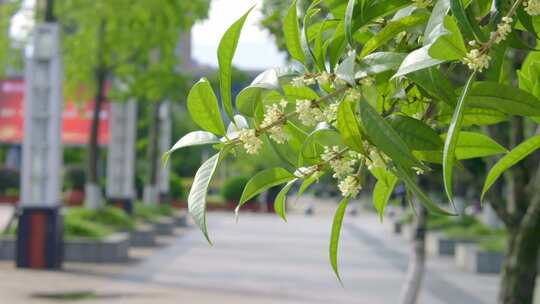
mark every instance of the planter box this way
{"type": "Point", "coordinates": [113, 249]}
{"type": "Point", "coordinates": [392, 225]}
{"type": "Point", "coordinates": [181, 219]}
{"type": "Point", "coordinates": [143, 236]}
{"type": "Point", "coordinates": [7, 248]}
{"type": "Point", "coordinates": [439, 245]}
{"type": "Point", "coordinates": [164, 226]}
{"type": "Point", "coordinates": [407, 231]}
{"type": "Point", "coordinates": [470, 258]}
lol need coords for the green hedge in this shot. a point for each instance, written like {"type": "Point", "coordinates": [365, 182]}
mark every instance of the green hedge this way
{"type": "Point", "coordinates": [233, 187]}
{"type": "Point", "coordinates": [76, 227]}
{"type": "Point", "coordinates": [112, 217]}
{"type": "Point", "coordinates": [152, 212]}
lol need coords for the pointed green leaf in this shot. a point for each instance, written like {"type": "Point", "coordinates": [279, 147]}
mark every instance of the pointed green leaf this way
{"type": "Point", "coordinates": [280, 203]}
{"type": "Point", "coordinates": [383, 190]}
{"type": "Point", "coordinates": [386, 138]}
{"type": "Point", "coordinates": [226, 50]}
{"type": "Point", "coordinates": [308, 182]}
{"type": "Point", "coordinates": [250, 97]}
{"type": "Point", "coordinates": [458, 10]}
{"type": "Point", "coordinates": [262, 181]}
{"type": "Point", "coordinates": [195, 138]}
{"type": "Point", "coordinates": [415, 133]}
{"type": "Point", "coordinates": [378, 62]}
{"type": "Point", "coordinates": [505, 98]}
{"type": "Point", "coordinates": [348, 22]}
{"type": "Point", "coordinates": [349, 127]}
{"type": "Point", "coordinates": [390, 31]}
{"type": "Point", "coordinates": [204, 109]}
{"type": "Point", "coordinates": [452, 138]}
{"type": "Point", "coordinates": [473, 145]}
{"type": "Point", "coordinates": [345, 70]}
{"type": "Point", "coordinates": [291, 32]}
{"type": "Point", "coordinates": [449, 44]}
{"type": "Point", "coordinates": [406, 177]}
{"type": "Point", "coordinates": [513, 157]}
{"type": "Point", "coordinates": [197, 194]}
{"type": "Point", "coordinates": [336, 231]}
{"type": "Point", "coordinates": [435, 84]}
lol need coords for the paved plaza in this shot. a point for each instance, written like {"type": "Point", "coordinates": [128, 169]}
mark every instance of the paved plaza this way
{"type": "Point", "coordinates": [258, 260]}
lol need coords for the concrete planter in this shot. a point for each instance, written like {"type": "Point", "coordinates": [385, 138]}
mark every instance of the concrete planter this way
{"type": "Point", "coordinates": [180, 219]}
{"type": "Point", "coordinates": [113, 249]}
{"type": "Point", "coordinates": [164, 226]}
{"type": "Point", "coordinates": [407, 231]}
{"type": "Point", "coordinates": [393, 225]}
{"type": "Point", "coordinates": [143, 236]}
{"type": "Point", "coordinates": [438, 244]}
{"type": "Point", "coordinates": [472, 259]}
{"type": "Point", "coordinates": [7, 248]}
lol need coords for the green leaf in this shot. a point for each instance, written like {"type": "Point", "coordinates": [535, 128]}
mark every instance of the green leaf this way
{"type": "Point", "coordinates": [345, 70]}
{"type": "Point", "coordinates": [195, 138]}
{"type": "Point", "coordinates": [405, 176]}
{"type": "Point", "coordinates": [263, 180]}
{"type": "Point", "coordinates": [435, 84]}
{"type": "Point", "coordinates": [382, 192]}
{"type": "Point", "coordinates": [348, 126]}
{"type": "Point", "coordinates": [452, 138]}
{"type": "Point", "coordinates": [199, 189]}
{"type": "Point", "coordinates": [281, 198]}
{"type": "Point", "coordinates": [291, 31]}
{"type": "Point", "coordinates": [379, 62]}
{"type": "Point", "coordinates": [348, 22]}
{"type": "Point", "coordinates": [505, 98]}
{"type": "Point", "coordinates": [390, 31]}
{"type": "Point", "coordinates": [226, 50]}
{"type": "Point", "coordinates": [336, 231]}
{"type": "Point", "coordinates": [250, 97]}
{"type": "Point", "coordinates": [449, 45]}
{"type": "Point", "coordinates": [513, 157]}
{"type": "Point", "coordinates": [474, 116]}
{"type": "Point", "coordinates": [204, 109]}
{"type": "Point", "coordinates": [415, 133]}
{"type": "Point", "coordinates": [458, 10]}
{"type": "Point", "coordinates": [473, 145]}
{"type": "Point", "coordinates": [313, 146]}
{"type": "Point", "coordinates": [308, 182]}
{"type": "Point", "coordinates": [386, 138]}
{"type": "Point", "coordinates": [417, 60]}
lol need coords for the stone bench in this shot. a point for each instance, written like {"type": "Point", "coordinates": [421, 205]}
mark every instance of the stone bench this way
{"type": "Point", "coordinates": [438, 244]}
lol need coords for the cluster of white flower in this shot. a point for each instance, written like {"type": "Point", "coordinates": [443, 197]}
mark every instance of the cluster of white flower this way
{"type": "Point", "coordinates": [422, 3]}
{"type": "Point", "coordinates": [503, 29]}
{"type": "Point", "coordinates": [354, 94]}
{"type": "Point", "coordinates": [350, 186]}
{"type": "Point", "coordinates": [376, 159]}
{"type": "Point", "coordinates": [274, 114]}
{"type": "Point", "coordinates": [330, 112]}
{"type": "Point", "coordinates": [302, 81]}
{"type": "Point", "coordinates": [324, 78]}
{"type": "Point", "coordinates": [477, 60]}
{"type": "Point", "coordinates": [251, 142]}
{"type": "Point", "coordinates": [304, 172]}
{"type": "Point", "coordinates": [338, 83]}
{"type": "Point", "coordinates": [308, 114]}
{"type": "Point", "coordinates": [342, 165]}
{"type": "Point", "coordinates": [532, 7]}
{"type": "Point", "coordinates": [367, 81]}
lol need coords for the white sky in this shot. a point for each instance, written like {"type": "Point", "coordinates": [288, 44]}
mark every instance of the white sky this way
{"type": "Point", "coordinates": [256, 49]}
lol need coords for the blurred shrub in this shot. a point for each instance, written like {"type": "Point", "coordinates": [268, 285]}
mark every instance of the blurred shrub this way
{"type": "Point", "coordinates": [74, 177]}
{"type": "Point", "coordinates": [76, 227]}
{"type": "Point", "coordinates": [232, 188]}
{"type": "Point", "coordinates": [151, 213]}
{"type": "Point", "coordinates": [111, 217]}
{"type": "Point", "coordinates": [497, 243]}
{"type": "Point", "coordinates": [9, 181]}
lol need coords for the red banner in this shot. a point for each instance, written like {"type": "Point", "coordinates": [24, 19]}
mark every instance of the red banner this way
{"type": "Point", "coordinates": [77, 119]}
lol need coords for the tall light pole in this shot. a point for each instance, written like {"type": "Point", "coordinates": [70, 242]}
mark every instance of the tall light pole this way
{"type": "Point", "coordinates": [40, 228]}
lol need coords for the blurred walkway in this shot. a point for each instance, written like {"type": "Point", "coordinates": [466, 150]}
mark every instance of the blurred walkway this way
{"type": "Point", "coordinates": [258, 260]}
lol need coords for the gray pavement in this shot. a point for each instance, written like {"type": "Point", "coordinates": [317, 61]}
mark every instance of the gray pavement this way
{"type": "Point", "coordinates": [260, 259]}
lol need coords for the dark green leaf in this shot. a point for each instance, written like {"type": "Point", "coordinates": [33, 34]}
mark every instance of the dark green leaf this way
{"type": "Point", "coordinates": [415, 133]}
{"type": "Point", "coordinates": [226, 50]}
{"type": "Point", "coordinates": [505, 98]}
{"type": "Point", "coordinates": [349, 127]}
{"type": "Point", "coordinates": [334, 237]}
{"type": "Point", "coordinates": [291, 31]}
{"type": "Point", "coordinates": [382, 192]}
{"type": "Point", "coordinates": [280, 203]}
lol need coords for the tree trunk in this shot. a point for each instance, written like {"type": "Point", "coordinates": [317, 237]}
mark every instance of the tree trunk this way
{"type": "Point", "coordinates": [151, 195]}
{"type": "Point", "coordinates": [417, 260]}
{"type": "Point", "coordinates": [520, 267]}
{"type": "Point", "coordinates": [92, 189]}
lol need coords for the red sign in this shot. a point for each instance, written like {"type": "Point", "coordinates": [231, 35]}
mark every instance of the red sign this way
{"type": "Point", "coordinates": [76, 119]}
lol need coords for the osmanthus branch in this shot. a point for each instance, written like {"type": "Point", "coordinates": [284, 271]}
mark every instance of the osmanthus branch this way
{"type": "Point", "coordinates": [492, 40]}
